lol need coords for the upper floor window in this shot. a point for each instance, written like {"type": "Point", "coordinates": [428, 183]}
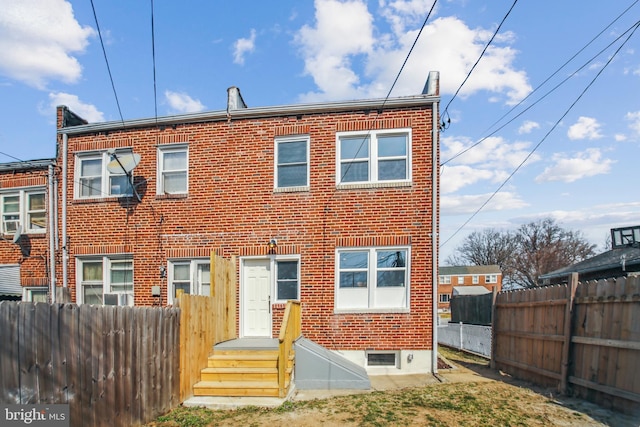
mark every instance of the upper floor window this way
{"type": "Point", "coordinates": [94, 180]}
{"type": "Point", "coordinates": [292, 162]}
{"type": "Point", "coordinates": [475, 279]}
{"type": "Point", "coordinates": [460, 280]}
{"type": "Point", "coordinates": [23, 208]}
{"type": "Point", "coordinates": [372, 278]}
{"type": "Point", "coordinates": [106, 280]}
{"type": "Point", "coordinates": [173, 169]}
{"type": "Point", "coordinates": [374, 156]}
{"type": "Point", "coordinates": [444, 280]}
{"type": "Point", "coordinates": [491, 278]}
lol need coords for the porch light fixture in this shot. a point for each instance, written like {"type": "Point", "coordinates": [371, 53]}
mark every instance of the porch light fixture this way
{"type": "Point", "coordinates": [273, 246]}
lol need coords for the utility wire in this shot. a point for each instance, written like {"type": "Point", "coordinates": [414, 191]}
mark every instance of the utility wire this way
{"type": "Point", "coordinates": [445, 111]}
{"type": "Point", "coordinates": [153, 55]}
{"type": "Point", "coordinates": [555, 125]}
{"type": "Point", "coordinates": [553, 89]}
{"type": "Point", "coordinates": [545, 81]}
{"type": "Point", "coordinates": [104, 52]}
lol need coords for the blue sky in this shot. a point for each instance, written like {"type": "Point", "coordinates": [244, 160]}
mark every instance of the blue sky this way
{"type": "Point", "coordinates": [582, 173]}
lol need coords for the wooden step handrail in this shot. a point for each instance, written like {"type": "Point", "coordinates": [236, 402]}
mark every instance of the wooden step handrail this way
{"type": "Point", "coordinates": [290, 330]}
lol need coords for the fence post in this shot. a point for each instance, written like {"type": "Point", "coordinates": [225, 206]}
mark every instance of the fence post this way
{"type": "Point", "coordinates": [494, 291]}
{"type": "Point", "coordinates": [568, 321]}
{"type": "Point", "coordinates": [461, 345]}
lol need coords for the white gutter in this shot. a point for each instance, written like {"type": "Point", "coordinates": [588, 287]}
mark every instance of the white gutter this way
{"type": "Point", "coordinates": [52, 238]}
{"type": "Point", "coordinates": [65, 249]}
{"type": "Point", "coordinates": [433, 88]}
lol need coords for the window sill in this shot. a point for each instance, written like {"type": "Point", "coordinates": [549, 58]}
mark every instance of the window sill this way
{"type": "Point", "coordinates": [371, 311]}
{"type": "Point", "coordinates": [291, 189]}
{"type": "Point", "coordinates": [172, 196]}
{"type": "Point", "coordinates": [90, 200]}
{"type": "Point", "coordinates": [365, 185]}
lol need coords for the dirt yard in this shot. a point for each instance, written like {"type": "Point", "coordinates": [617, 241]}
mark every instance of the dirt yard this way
{"type": "Point", "coordinates": [470, 394]}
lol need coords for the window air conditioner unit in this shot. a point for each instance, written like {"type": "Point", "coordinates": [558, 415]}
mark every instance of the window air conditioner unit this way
{"type": "Point", "coordinates": [118, 299]}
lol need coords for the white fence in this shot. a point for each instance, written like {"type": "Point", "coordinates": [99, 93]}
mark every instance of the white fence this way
{"type": "Point", "coordinates": [473, 338]}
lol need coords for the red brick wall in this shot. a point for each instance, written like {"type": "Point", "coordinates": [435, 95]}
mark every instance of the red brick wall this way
{"type": "Point", "coordinates": [232, 208]}
{"type": "Point", "coordinates": [33, 268]}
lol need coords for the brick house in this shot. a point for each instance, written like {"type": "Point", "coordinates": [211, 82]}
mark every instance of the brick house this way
{"type": "Point", "coordinates": [26, 245]}
{"type": "Point", "coordinates": [487, 276]}
{"type": "Point", "coordinates": [332, 204]}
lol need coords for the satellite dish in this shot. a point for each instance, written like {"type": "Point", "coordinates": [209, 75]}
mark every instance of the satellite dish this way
{"type": "Point", "coordinates": [18, 234]}
{"type": "Point", "coordinates": [124, 163]}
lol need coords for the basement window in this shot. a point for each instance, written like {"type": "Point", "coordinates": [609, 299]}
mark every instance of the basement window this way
{"type": "Point", "coordinates": [382, 359]}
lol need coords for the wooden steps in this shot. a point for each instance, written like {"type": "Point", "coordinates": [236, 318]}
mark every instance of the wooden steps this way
{"type": "Point", "coordinates": [245, 372]}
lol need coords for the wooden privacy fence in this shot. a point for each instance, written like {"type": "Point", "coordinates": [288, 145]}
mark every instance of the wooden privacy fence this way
{"type": "Point", "coordinates": [206, 321]}
{"type": "Point", "coordinates": [114, 366]}
{"type": "Point", "coordinates": [583, 338]}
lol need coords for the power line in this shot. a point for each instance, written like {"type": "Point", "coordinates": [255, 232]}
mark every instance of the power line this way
{"type": "Point", "coordinates": [569, 77]}
{"type": "Point", "coordinates": [555, 125]}
{"type": "Point", "coordinates": [445, 111]}
{"type": "Point", "coordinates": [545, 81]}
{"type": "Point", "coordinates": [104, 52]}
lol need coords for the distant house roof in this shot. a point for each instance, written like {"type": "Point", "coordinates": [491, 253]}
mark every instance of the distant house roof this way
{"type": "Point", "coordinates": [26, 165]}
{"type": "Point", "coordinates": [461, 270]}
{"type": "Point", "coordinates": [613, 263]}
{"type": "Point", "coordinates": [470, 290]}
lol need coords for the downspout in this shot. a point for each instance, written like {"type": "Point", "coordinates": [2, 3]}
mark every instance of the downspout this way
{"type": "Point", "coordinates": [52, 237]}
{"type": "Point", "coordinates": [433, 88]}
{"type": "Point", "coordinates": [65, 248]}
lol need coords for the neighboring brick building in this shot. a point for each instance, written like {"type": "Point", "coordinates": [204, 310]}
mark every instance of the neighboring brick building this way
{"type": "Point", "coordinates": [332, 204]}
{"type": "Point", "coordinates": [488, 276]}
{"type": "Point", "coordinates": [25, 244]}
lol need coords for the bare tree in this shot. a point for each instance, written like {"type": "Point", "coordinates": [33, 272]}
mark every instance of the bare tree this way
{"type": "Point", "coordinates": [534, 249]}
{"type": "Point", "coordinates": [544, 246]}
{"type": "Point", "coordinates": [488, 247]}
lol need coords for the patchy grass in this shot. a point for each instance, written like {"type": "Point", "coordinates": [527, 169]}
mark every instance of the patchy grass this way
{"type": "Point", "coordinates": [493, 403]}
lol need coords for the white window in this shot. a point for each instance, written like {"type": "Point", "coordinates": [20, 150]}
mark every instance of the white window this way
{"type": "Point", "coordinates": [374, 156]}
{"type": "Point", "coordinates": [94, 180]}
{"type": "Point", "coordinates": [444, 280]}
{"type": "Point", "coordinates": [36, 294]}
{"type": "Point", "coordinates": [105, 280]}
{"type": "Point", "coordinates": [287, 279]}
{"type": "Point", "coordinates": [292, 162]}
{"type": "Point", "coordinates": [372, 278]}
{"type": "Point", "coordinates": [491, 278]}
{"type": "Point", "coordinates": [173, 169]}
{"type": "Point", "coordinates": [193, 277]}
{"type": "Point", "coordinates": [475, 279]}
{"type": "Point", "coordinates": [23, 208]}
{"type": "Point", "coordinates": [445, 298]}
{"type": "Point", "coordinates": [460, 280]}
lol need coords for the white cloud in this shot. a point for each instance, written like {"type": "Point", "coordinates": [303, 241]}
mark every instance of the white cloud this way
{"type": "Point", "coordinates": [88, 112]}
{"type": "Point", "coordinates": [243, 46]}
{"type": "Point", "coordinates": [528, 126]}
{"type": "Point", "coordinates": [634, 119]}
{"type": "Point", "coordinates": [464, 205]}
{"type": "Point", "coordinates": [38, 39]}
{"type": "Point", "coordinates": [620, 137]}
{"type": "Point", "coordinates": [453, 178]}
{"type": "Point", "coordinates": [344, 41]}
{"type": "Point", "coordinates": [585, 128]}
{"type": "Point", "coordinates": [180, 102]}
{"type": "Point", "coordinates": [584, 164]}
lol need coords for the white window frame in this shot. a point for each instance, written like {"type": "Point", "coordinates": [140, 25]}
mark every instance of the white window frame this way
{"type": "Point", "coordinates": [289, 139]}
{"type": "Point", "coordinates": [277, 260]}
{"type": "Point", "coordinates": [444, 280]}
{"type": "Point", "coordinates": [444, 298]}
{"type": "Point", "coordinates": [369, 297]}
{"type": "Point", "coordinates": [24, 214]}
{"type": "Point", "coordinates": [491, 278]}
{"type": "Point", "coordinates": [460, 280]}
{"type": "Point", "coordinates": [171, 148]}
{"type": "Point", "coordinates": [105, 282]}
{"type": "Point", "coordinates": [29, 292]}
{"type": "Point", "coordinates": [373, 157]}
{"type": "Point", "coordinates": [196, 284]}
{"type": "Point", "coordinates": [106, 189]}
{"type": "Point", "coordinates": [475, 279]}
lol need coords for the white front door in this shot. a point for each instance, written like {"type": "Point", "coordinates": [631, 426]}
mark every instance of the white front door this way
{"type": "Point", "coordinates": [256, 295]}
